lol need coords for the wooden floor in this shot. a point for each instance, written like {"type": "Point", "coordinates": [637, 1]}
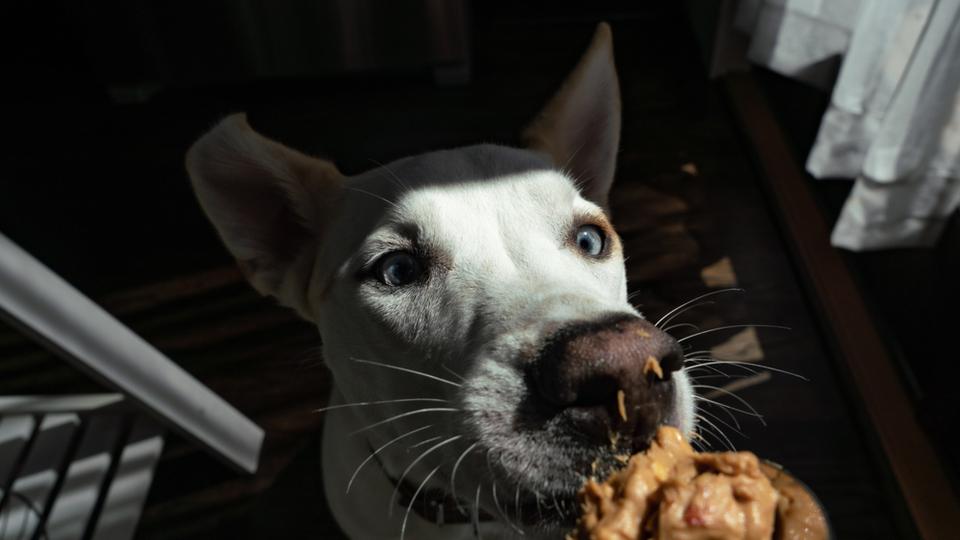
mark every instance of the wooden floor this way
{"type": "Point", "coordinates": [113, 213]}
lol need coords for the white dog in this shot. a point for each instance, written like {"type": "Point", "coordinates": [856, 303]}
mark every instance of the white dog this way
{"type": "Point", "coordinates": [473, 309]}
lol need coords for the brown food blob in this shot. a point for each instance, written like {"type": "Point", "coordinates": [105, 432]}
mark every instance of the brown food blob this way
{"type": "Point", "coordinates": [798, 515]}
{"type": "Point", "coordinates": [672, 492]}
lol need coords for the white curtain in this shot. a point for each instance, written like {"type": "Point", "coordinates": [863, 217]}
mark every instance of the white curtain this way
{"type": "Point", "coordinates": [894, 119]}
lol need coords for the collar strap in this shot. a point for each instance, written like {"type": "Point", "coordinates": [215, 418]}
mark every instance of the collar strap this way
{"type": "Point", "coordinates": [435, 505]}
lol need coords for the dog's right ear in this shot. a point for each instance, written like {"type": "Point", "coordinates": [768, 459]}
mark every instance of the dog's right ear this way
{"type": "Point", "coordinates": [269, 204]}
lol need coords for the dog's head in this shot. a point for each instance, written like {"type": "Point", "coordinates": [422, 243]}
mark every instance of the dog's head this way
{"type": "Point", "coordinates": [480, 291]}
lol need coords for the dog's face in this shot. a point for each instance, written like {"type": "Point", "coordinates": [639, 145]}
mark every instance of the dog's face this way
{"type": "Point", "coordinates": [479, 291]}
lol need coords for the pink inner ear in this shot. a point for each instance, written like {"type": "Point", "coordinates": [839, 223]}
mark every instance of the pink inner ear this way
{"type": "Point", "coordinates": [250, 210]}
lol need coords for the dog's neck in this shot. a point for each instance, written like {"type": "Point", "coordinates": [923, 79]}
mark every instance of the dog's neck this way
{"type": "Point", "coordinates": [433, 504]}
{"type": "Point", "coordinates": [368, 512]}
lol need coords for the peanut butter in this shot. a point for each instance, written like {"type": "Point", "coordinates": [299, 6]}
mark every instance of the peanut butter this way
{"type": "Point", "coordinates": [672, 492]}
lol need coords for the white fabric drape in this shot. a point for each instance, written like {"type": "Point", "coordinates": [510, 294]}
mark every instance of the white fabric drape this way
{"type": "Point", "coordinates": [894, 118]}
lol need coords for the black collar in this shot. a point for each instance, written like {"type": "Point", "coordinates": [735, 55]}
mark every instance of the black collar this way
{"type": "Point", "coordinates": [434, 505]}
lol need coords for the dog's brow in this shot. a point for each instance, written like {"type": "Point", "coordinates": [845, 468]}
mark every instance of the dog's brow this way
{"type": "Point", "coordinates": [401, 236]}
{"type": "Point", "coordinates": [373, 249]}
{"type": "Point", "coordinates": [592, 215]}
{"type": "Point", "coordinates": [603, 221]}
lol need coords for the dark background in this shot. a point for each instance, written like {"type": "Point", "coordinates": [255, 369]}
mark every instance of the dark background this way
{"type": "Point", "coordinates": [103, 100]}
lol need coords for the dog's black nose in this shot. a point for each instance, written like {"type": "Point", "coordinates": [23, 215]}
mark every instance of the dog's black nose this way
{"type": "Point", "coordinates": [611, 378]}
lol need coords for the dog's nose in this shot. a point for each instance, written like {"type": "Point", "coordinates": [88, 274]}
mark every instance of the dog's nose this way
{"type": "Point", "coordinates": [610, 377]}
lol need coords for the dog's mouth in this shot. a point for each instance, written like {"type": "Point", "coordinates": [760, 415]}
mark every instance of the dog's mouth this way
{"type": "Point", "coordinates": [533, 484]}
{"type": "Point", "coordinates": [514, 505]}
{"type": "Point", "coordinates": [546, 512]}
{"type": "Point", "coordinates": [527, 505]}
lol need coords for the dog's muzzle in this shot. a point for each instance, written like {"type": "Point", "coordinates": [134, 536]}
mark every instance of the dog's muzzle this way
{"type": "Point", "coordinates": [611, 379]}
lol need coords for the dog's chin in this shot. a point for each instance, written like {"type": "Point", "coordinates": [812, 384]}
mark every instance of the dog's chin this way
{"type": "Point", "coordinates": [550, 502]}
{"type": "Point", "coordinates": [545, 503]}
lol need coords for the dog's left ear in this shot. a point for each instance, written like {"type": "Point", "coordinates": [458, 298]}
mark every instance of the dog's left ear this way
{"type": "Point", "coordinates": [580, 126]}
{"type": "Point", "coordinates": [269, 203]}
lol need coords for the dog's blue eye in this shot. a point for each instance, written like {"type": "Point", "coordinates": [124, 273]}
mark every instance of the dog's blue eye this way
{"type": "Point", "coordinates": [399, 268]}
{"type": "Point", "coordinates": [590, 240]}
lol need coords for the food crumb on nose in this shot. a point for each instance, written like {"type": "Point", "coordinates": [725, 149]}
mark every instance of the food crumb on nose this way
{"type": "Point", "coordinates": [652, 364]}
{"type": "Point", "coordinates": [643, 333]}
{"type": "Point", "coordinates": [621, 404]}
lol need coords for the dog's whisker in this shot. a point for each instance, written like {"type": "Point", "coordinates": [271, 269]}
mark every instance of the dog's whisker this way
{"type": "Point", "coordinates": [736, 424]}
{"type": "Point", "coordinates": [424, 442]}
{"type": "Point", "coordinates": [706, 430]}
{"type": "Point", "coordinates": [453, 475]}
{"type": "Point", "coordinates": [719, 375]}
{"type": "Point", "coordinates": [693, 354]}
{"type": "Point", "coordinates": [752, 367]}
{"type": "Point", "coordinates": [496, 503]}
{"type": "Point", "coordinates": [516, 504]}
{"type": "Point", "coordinates": [696, 439]}
{"type": "Point", "coordinates": [374, 195]}
{"type": "Point", "coordinates": [689, 304]}
{"type": "Point", "coordinates": [407, 370]}
{"type": "Point", "coordinates": [475, 519]}
{"type": "Point", "coordinates": [452, 372]}
{"type": "Point", "coordinates": [723, 435]}
{"type": "Point", "coordinates": [424, 454]}
{"type": "Point", "coordinates": [694, 359]}
{"type": "Point", "coordinates": [728, 407]}
{"type": "Point", "coordinates": [573, 154]}
{"type": "Point", "coordinates": [707, 363]}
{"type": "Point", "coordinates": [556, 506]}
{"type": "Point", "coordinates": [578, 181]}
{"type": "Point", "coordinates": [403, 415]}
{"type": "Point", "coordinates": [696, 443]}
{"type": "Point", "coordinates": [486, 459]}
{"type": "Point", "coordinates": [686, 309]}
{"type": "Point", "coordinates": [503, 514]}
{"type": "Point", "coordinates": [734, 396]}
{"type": "Point", "coordinates": [393, 176]}
{"type": "Point", "coordinates": [696, 368]}
{"type": "Point", "coordinates": [406, 515]}
{"type": "Point", "coordinates": [682, 325]}
{"type": "Point", "coordinates": [730, 327]}
{"type": "Point", "coordinates": [500, 458]}
{"type": "Point", "coordinates": [746, 382]}
{"type": "Point", "coordinates": [381, 449]}
{"type": "Point", "coordinates": [380, 402]}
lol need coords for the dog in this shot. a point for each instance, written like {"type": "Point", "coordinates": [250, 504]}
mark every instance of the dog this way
{"type": "Point", "coordinates": [472, 306]}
